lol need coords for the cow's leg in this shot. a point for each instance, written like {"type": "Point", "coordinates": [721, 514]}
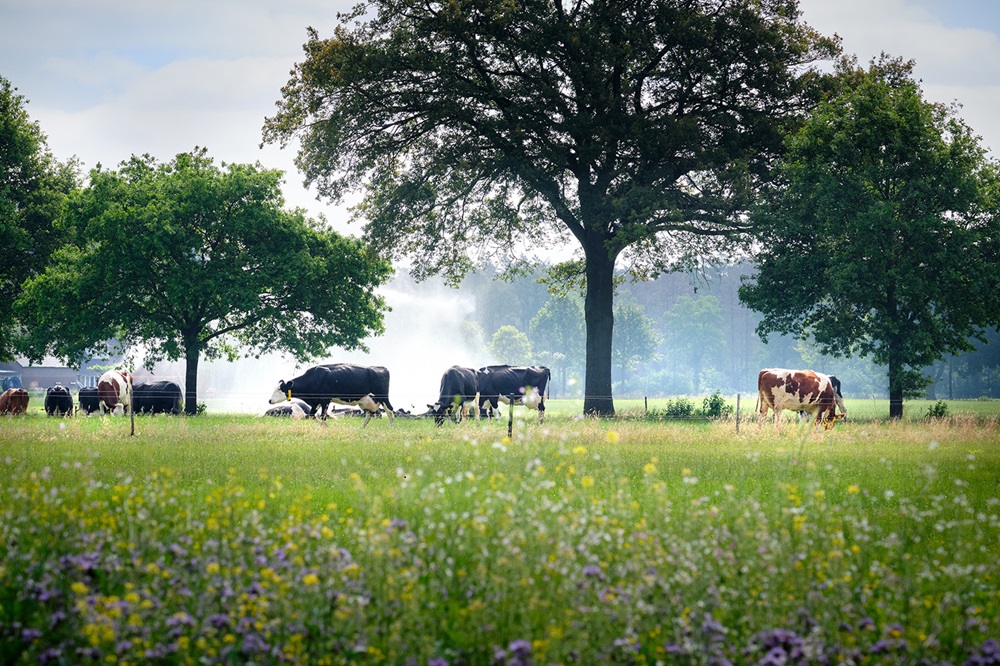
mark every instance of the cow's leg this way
{"type": "Point", "coordinates": [541, 410]}
{"type": "Point", "coordinates": [392, 416]}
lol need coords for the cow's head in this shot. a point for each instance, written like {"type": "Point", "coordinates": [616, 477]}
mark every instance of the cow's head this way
{"type": "Point", "coordinates": [282, 393]}
{"type": "Point", "coordinates": [832, 421]}
{"type": "Point", "coordinates": [437, 411]}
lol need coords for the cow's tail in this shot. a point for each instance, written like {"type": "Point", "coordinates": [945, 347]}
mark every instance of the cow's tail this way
{"type": "Point", "coordinates": [548, 383]}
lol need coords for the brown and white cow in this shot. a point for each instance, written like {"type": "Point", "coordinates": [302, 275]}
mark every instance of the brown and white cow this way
{"type": "Point", "coordinates": [799, 391]}
{"type": "Point", "coordinates": [114, 392]}
{"type": "Point", "coordinates": [14, 401]}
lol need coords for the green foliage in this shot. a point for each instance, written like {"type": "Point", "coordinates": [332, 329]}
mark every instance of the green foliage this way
{"type": "Point", "coordinates": [33, 188]}
{"type": "Point", "coordinates": [676, 408]}
{"type": "Point", "coordinates": [195, 260]}
{"type": "Point", "coordinates": [693, 328]}
{"type": "Point", "coordinates": [883, 240]}
{"type": "Point", "coordinates": [511, 346]}
{"type": "Point", "coordinates": [635, 338]}
{"type": "Point", "coordinates": [558, 333]}
{"type": "Point", "coordinates": [660, 119]}
{"type": "Point", "coordinates": [715, 407]}
{"type": "Point", "coordinates": [938, 410]}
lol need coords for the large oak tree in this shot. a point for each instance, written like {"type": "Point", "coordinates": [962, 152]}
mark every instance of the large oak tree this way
{"type": "Point", "coordinates": [33, 189]}
{"type": "Point", "coordinates": [195, 260]}
{"type": "Point", "coordinates": [637, 127]}
{"type": "Point", "coordinates": [883, 238]}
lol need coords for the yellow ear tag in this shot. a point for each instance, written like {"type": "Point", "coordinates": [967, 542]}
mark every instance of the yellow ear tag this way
{"type": "Point", "coordinates": [289, 394]}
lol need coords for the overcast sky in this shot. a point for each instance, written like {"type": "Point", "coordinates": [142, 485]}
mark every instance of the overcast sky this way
{"type": "Point", "coordinates": [107, 79]}
{"type": "Point", "coordinates": [110, 78]}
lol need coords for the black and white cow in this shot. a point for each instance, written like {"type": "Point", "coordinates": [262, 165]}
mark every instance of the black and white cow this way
{"type": "Point", "coordinates": [500, 383]}
{"type": "Point", "coordinates": [89, 400]}
{"type": "Point", "coordinates": [159, 397]}
{"type": "Point", "coordinates": [294, 408]}
{"type": "Point", "coordinates": [58, 401]}
{"type": "Point", "coordinates": [342, 383]}
{"type": "Point", "coordinates": [459, 387]}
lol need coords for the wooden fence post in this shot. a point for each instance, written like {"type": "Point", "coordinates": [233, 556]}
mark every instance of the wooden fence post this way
{"type": "Point", "coordinates": [737, 412]}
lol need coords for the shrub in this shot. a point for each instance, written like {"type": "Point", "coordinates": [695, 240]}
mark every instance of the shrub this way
{"type": "Point", "coordinates": [678, 408]}
{"type": "Point", "coordinates": [938, 410]}
{"type": "Point", "coordinates": [715, 407]}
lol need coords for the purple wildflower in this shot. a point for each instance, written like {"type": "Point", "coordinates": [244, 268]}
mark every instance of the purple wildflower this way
{"type": "Point", "coordinates": [219, 620]}
{"type": "Point", "coordinates": [438, 661]}
{"type": "Point", "coordinates": [711, 626]}
{"type": "Point", "coordinates": [987, 655]}
{"type": "Point", "coordinates": [91, 653]}
{"type": "Point", "coordinates": [52, 655]}
{"type": "Point", "coordinates": [518, 653]}
{"type": "Point", "coordinates": [628, 645]}
{"type": "Point", "coordinates": [776, 656]}
{"type": "Point", "coordinates": [31, 634]}
{"type": "Point", "coordinates": [254, 644]}
{"type": "Point", "coordinates": [593, 571]}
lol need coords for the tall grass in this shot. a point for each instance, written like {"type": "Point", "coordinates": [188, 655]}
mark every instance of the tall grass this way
{"type": "Point", "coordinates": [238, 540]}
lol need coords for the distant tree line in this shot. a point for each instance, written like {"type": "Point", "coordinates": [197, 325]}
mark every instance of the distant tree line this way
{"type": "Point", "coordinates": [684, 334]}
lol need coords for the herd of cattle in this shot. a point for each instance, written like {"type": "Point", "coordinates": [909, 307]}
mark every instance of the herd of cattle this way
{"type": "Point", "coordinates": [367, 387]}
{"type": "Point", "coordinates": [311, 393]}
{"type": "Point", "coordinates": [114, 393]}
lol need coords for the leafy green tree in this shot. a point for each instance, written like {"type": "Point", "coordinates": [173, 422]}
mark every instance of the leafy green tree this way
{"type": "Point", "coordinates": [637, 128]}
{"type": "Point", "coordinates": [512, 346]}
{"type": "Point", "coordinates": [883, 239]}
{"type": "Point", "coordinates": [635, 340]}
{"type": "Point", "coordinates": [33, 188]}
{"type": "Point", "coordinates": [558, 336]}
{"type": "Point", "coordinates": [198, 260]}
{"type": "Point", "coordinates": [693, 329]}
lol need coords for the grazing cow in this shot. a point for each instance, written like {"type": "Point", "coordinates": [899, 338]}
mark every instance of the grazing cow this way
{"type": "Point", "coordinates": [840, 399]}
{"type": "Point", "coordinates": [342, 383]}
{"type": "Point", "coordinates": [14, 401]}
{"type": "Point", "coordinates": [498, 383]}
{"type": "Point", "coordinates": [89, 400]}
{"type": "Point", "coordinates": [797, 390]}
{"type": "Point", "coordinates": [114, 392]}
{"type": "Point", "coordinates": [294, 408]}
{"type": "Point", "coordinates": [58, 401]}
{"type": "Point", "coordinates": [160, 397]}
{"type": "Point", "coordinates": [458, 388]}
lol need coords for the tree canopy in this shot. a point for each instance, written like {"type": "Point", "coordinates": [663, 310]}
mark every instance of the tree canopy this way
{"type": "Point", "coordinates": [637, 128]}
{"type": "Point", "coordinates": [33, 188]}
{"type": "Point", "coordinates": [193, 260]}
{"type": "Point", "coordinates": [883, 238]}
{"type": "Point", "coordinates": [693, 329]}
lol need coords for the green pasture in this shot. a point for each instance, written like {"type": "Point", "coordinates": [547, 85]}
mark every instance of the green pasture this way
{"type": "Point", "coordinates": [239, 539]}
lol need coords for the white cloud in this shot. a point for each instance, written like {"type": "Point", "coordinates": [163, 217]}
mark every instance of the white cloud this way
{"type": "Point", "coordinates": [954, 62]}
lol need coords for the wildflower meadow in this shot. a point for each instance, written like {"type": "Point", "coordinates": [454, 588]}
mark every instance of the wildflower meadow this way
{"type": "Point", "coordinates": [239, 540]}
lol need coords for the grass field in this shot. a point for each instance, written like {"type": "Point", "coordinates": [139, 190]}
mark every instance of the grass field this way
{"type": "Point", "coordinates": [235, 539]}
